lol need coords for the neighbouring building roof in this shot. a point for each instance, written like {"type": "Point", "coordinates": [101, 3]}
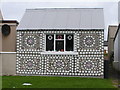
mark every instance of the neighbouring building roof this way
{"type": "Point", "coordinates": [112, 29]}
{"type": "Point", "coordinates": [7, 21]}
{"type": "Point", "coordinates": [1, 17]}
{"type": "Point", "coordinates": [10, 21]}
{"type": "Point", "coordinates": [62, 18]}
{"type": "Point", "coordinates": [117, 32]}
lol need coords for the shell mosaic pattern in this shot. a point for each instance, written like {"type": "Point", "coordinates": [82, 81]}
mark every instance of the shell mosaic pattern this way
{"type": "Point", "coordinates": [29, 64]}
{"type": "Point", "coordinates": [91, 40]}
{"type": "Point", "coordinates": [90, 65]}
{"type": "Point", "coordinates": [29, 42]}
{"type": "Point", "coordinates": [59, 65]}
{"type": "Point", "coordinates": [88, 62]}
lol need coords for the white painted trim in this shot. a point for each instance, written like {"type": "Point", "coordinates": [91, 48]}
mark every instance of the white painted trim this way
{"type": "Point", "coordinates": [59, 53]}
{"type": "Point", "coordinates": [61, 40]}
{"type": "Point", "coordinates": [74, 35]}
{"type": "Point", "coordinates": [64, 42]}
{"type": "Point", "coordinates": [44, 35]}
{"type": "Point", "coordinates": [7, 52]}
{"type": "Point", "coordinates": [71, 29]}
{"type": "Point", "coordinates": [54, 41]}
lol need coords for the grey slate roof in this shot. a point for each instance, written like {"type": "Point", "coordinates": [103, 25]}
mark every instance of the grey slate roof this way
{"type": "Point", "coordinates": [62, 18]}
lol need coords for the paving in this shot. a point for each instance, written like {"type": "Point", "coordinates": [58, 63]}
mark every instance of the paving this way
{"type": "Point", "coordinates": [114, 75]}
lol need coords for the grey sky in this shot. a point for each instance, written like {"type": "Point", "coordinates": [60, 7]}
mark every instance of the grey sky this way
{"type": "Point", "coordinates": [14, 10]}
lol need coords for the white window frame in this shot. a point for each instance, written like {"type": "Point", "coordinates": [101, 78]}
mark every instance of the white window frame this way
{"type": "Point", "coordinates": [60, 52]}
{"type": "Point", "coordinates": [58, 40]}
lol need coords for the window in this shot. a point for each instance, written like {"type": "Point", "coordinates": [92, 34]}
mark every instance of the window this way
{"type": "Point", "coordinates": [49, 42]}
{"type": "Point", "coordinates": [69, 42]}
{"type": "Point", "coordinates": [59, 42]}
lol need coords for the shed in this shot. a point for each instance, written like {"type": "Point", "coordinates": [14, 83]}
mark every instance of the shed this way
{"type": "Point", "coordinates": [61, 41]}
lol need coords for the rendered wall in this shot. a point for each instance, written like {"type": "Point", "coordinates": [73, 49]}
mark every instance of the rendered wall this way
{"type": "Point", "coordinates": [116, 62]}
{"type": "Point", "coordinates": [0, 51]}
{"type": "Point", "coordinates": [8, 63]}
{"type": "Point", "coordinates": [0, 40]}
{"type": "Point", "coordinates": [111, 35]}
{"type": "Point", "coordinates": [0, 71]}
{"type": "Point", "coordinates": [88, 62]}
{"type": "Point", "coordinates": [9, 42]}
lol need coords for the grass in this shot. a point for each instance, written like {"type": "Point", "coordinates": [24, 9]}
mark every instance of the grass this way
{"type": "Point", "coordinates": [55, 82]}
{"type": "Point", "coordinates": [0, 82]}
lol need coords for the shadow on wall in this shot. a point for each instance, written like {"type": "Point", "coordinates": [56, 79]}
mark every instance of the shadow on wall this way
{"type": "Point", "coordinates": [116, 65]}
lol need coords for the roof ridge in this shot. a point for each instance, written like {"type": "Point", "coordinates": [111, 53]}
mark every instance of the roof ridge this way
{"type": "Point", "coordinates": [60, 8]}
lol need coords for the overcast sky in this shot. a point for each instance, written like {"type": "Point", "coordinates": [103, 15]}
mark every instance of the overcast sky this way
{"type": "Point", "coordinates": [14, 9]}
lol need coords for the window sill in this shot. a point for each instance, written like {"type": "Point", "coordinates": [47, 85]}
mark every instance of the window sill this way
{"type": "Point", "coordinates": [60, 53]}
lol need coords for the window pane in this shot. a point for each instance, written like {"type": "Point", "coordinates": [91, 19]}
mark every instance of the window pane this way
{"type": "Point", "coordinates": [49, 42]}
{"type": "Point", "coordinates": [69, 42]}
{"type": "Point", "coordinates": [59, 36]}
{"type": "Point", "coordinates": [59, 45]}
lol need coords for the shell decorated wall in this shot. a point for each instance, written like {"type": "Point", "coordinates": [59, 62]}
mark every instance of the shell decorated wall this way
{"type": "Point", "coordinates": [88, 62]}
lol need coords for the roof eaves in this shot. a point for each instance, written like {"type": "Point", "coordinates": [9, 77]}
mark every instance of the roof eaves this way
{"type": "Point", "coordinates": [117, 31]}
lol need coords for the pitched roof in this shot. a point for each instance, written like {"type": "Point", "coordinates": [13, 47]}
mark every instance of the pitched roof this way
{"type": "Point", "coordinates": [117, 32]}
{"type": "Point", "coordinates": [62, 18]}
{"type": "Point", "coordinates": [1, 17]}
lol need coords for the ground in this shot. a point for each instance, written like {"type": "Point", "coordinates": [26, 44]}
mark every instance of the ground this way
{"type": "Point", "coordinates": [0, 82]}
{"type": "Point", "coordinates": [55, 82]}
{"type": "Point", "coordinates": [114, 75]}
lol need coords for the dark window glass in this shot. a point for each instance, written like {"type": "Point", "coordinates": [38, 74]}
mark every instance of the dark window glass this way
{"type": "Point", "coordinates": [69, 42]}
{"type": "Point", "coordinates": [59, 45]}
{"type": "Point", "coordinates": [59, 36]}
{"type": "Point", "coordinates": [49, 42]}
